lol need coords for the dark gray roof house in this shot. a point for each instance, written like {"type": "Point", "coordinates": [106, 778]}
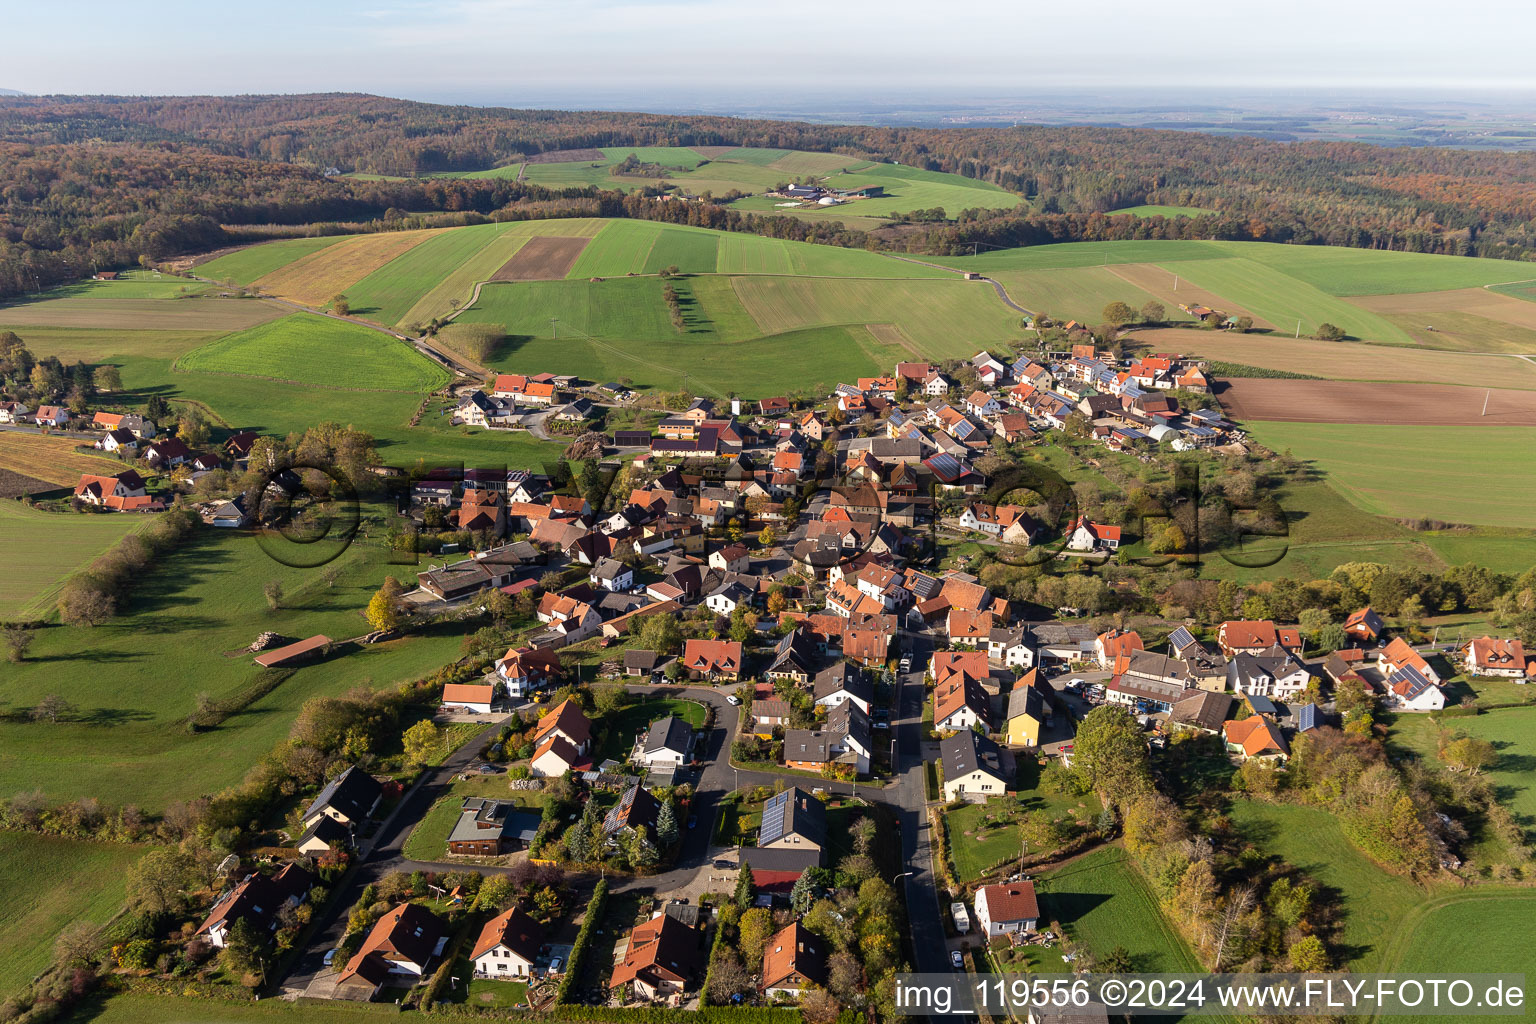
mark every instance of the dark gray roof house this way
{"type": "Point", "coordinates": [349, 798]}
{"type": "Point", "coordinates": [669, 734]}
{"type": "Point", "coordinates": [793, 813]}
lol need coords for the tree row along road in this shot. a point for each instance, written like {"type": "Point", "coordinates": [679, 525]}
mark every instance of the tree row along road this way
{"type": "Point", "coordinates": [906, 798]}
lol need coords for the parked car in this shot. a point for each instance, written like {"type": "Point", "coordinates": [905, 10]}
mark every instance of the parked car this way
{"type": "Point", "coordinates": [732, 700]}
{"type": "Point", "coordinates": [956, 960]}
{"type": "Point", "coordinates": [882, 725]}
{"type": "Point", "coordinates": [556, 964]}
{"type": "Point", "coordinates": [906, 664]}
{"type": "Point", "coordinates": [330, 956]}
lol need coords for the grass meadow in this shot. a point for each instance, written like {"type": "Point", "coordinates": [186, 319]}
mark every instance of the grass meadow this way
{"type": "Point", "coordinates": [1375, 902]}
{"type": "Point", "coordinates": [134, 680]}
{"type": "Point", "coordinates": [1102, 901]}
{"type": "Point", "coordinates": [1512, 731]}
{"type": "Point", "coordinates": [306, 348]}
{"type": "Point", "coordinates": [149, 1009]}
{"type": "Point", "coordinates": [1077, 293]}
{"type": "Point", "coordinates": [1482, 931]}
{"type": "Point", "coordinates": [1413, 472]}
{"type": "Point", "coordinates": [42, 548]}
{"type": "Point", "coordinates": [1162, 211]}
{"type": "Point", "coordinates": [52, 884]}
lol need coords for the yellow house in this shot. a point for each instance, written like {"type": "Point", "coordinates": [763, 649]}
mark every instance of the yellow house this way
{"type": "Point", "coordinates": [1028, 711]}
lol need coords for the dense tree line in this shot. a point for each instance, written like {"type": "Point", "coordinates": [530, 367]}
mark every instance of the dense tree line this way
{"type": "Point", "coordinates": [96, 182]}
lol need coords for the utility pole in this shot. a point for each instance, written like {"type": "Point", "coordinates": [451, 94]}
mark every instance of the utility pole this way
{"type": "Point", "coordinates": [1486, 395]}
{"type": "Point", "coordinates": [552, 322]}
{"type": "Point", "coordinates": [1298, 328]}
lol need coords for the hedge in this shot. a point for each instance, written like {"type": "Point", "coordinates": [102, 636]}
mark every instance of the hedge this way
{"type": "Point", "coordinates": [573, 966]}
{"type": "Point", "coordinates": [667, 1015]}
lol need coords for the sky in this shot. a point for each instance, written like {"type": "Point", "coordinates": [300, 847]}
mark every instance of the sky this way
{"type": "Point", "coordinates": [683, 54]}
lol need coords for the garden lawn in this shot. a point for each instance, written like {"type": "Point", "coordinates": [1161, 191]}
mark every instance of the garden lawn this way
{"type": "Point", "coordinates": [1102, 901]}
{"type": "Point", "coordinates": [490, 992]}
{"type": "Point", "coordinates": [1375, 902]}
{"type": "Point", "coordinates": [987, 844]}
{"type": "Point", "coordinates": [185, 622]}
{"type": "Point", "coordinates": [306, 348]}
{"type": "Point", "coordinates": [53, 883]}
{"type": "Point", "coordinates": [1413, 472]}
{"type": "Point", "coordinates": [429, 839]}
{"type": "Point", "coordinates": [43, 548]}
{"type": "Point", "coordinates": [147, 1009]}
{"type": "Point", "coordinates": [616, 732]}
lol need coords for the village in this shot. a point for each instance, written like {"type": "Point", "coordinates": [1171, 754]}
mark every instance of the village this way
{"type": "Point", "coordinates": [802, 695]}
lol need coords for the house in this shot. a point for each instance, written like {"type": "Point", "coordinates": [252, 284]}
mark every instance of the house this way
{"type": "Point", "coordinates": [1256, 737]}
{"type": "Point", "coordinates": [769, 713]}
{"type": "Point", "coordinates": [612, 575]}
{"type": "Point", "coordinates": [1255, 637]}
{"type": "Point", "coordinates": [1490, 656]}
{"type": "Point", "coordinates": [1086, 536]}
{"type": "Point", "coordinates": [527, 669]}
{"type": "Point", "coordinates": [1202, 711]}
{"type": "Point", "coordinates": [842, 739]}
{"type": "Point", "coordinates": [1008, 648]}
{"type": "Point", "coordinates": [980, 404]}
{"type": "Point", "coordinates": [167, 453]}
{"type": "Point", "coordinates": [794, 960]}
{"type": "Point", "coordinates": [713, 660]}
{"type": "Point", "coordinates": [508, 946]}
{"type": "Point", "coordinates": [974, 769]}
{"type": "Point", "coordinates": [322, 836]}
{"type": "Point", "coordinates": [51, 416]}
{"type": "Point", "coordinates": [115, 491]}
{"type": "Point", "coordinates": [960, 702]}
{"type": "Point", "coordinates": [637, 808]}
{"type": "Point", "coordinates": [842, 683]}
{"type": "Point", "coordinates": [477, 409]}
{"type": "Point", "coordinates": [257, 900]}
{"type": "Point", "coordinates": [400, 945]}
{"type": "Point", "coordinates": [731, 558]}
{"type": "Point", "coordinates": [1277, 673]}
{"type": "Point", "coordinates": [1029, 709]}
{"type": "Point", "coordinates": [489, 828]}
{"type": "Point", "coordinates": [1009, 522]}
{"type": "Point", "coordinates": [349, 798]}
{"type": "Point", "coordinates": [639, 662]}
{"type": "Point", "coordinates": [727, 598]}
{"type": "Point", "coordinates": [1001, 909]}
{"type": "Point", "coordinates": [1115, 644]}
{"type": "Point", "coordinates": [14, 412]}
{"type": "Point", "coordinates": [476, 697]}
{"type": "Point", "coordinates": [667, 744]}
{"type": "Point", "coordinates": [660, 960]}
{"type": "Point", "coordinates": [1410, 690]}
{"type": "Point", "coordinates": [554, 757]}
{"type": "Point", "coordinates": [567, 721]}
{"type": "Point", "coordinates": [1364, 626]}
{"type": "Point", "coordinates": [1399, 654]}
{"type": "Point", "coordinates": [573, 618]}
{"type": "Point", "coordinates": [524, 390]}
{"type": "Point", "coordinates": [118, 441]}
{"type": "Point", "coordinates": [793, 819]}
{"type": "Point", "coordinates": [1143, 693]}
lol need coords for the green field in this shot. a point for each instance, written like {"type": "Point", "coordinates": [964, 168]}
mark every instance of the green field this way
{"type": "Point", "coordinates": [1078, 293]}
{"type": "Point", "coordinates": [133, 284]}
{"type": "Point", "coordinates": [42, 548]}
{"type": "Point", "coordinates": [1102, 901]}
{"type": "Point", "coordinates": [134, 680]}
{"type": "Point", "coordinates": [645, 247]}
{"type": "Point", "coordinates": [1483, 932]}
{"type": "Point", "coordinates": [246, 265]}
{"type": "Point", "coordinates": [64, 881]}
{"type": "Point", "coordinates": [307, 348]}
{"type": "Point", "coordinates": [1375, 903]}
{"type": "Point", "coordinates": [619, 329]}
{"type": "Point", "coordinates": [1410, 471]}
{"type": "Point", "coordinates": [1162, 211]}
{"type": "Point", "coordinates": [389, 293]}
{"type": "Point", "coordinates": [1513, 554]}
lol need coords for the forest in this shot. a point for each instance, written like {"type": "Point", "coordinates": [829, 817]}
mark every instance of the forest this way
{"type": "Point", "coordinates": [96, 182]}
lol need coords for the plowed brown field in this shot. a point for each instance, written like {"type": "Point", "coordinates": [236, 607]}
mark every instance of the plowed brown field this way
{"type": "Point", "coordinates": [1343, 401]}
{"type": "Point", "coordinates": [542, 259]}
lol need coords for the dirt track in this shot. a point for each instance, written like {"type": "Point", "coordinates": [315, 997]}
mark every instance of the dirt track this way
{"type": "Point", "coordinates": [542, 259]}
{"type": "Point", "coordinates": [1345, 401]}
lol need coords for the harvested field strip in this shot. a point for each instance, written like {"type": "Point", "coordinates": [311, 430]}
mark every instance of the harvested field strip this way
{"type": "Point", "coordinates": [1415, 472]}
{"type": "Point", "coordinates": [45, 547]}
{"type": "Point", "coordinates": [1480, 301]}
{"type": "Point", "coordinates": [1454, 331]}
{"type": "Point", "coordinates": [389, 292]}
{"type": "Point", "coordinates": [460, 284]}
{"type": "Point", "coordinates": [803, 163]}
{"type": "Point", "coordinates": [565, 156]}
{"type": "Point", "coordinates": [51, 458]}
{"type": "Point", "coordinates": [315, 278]}
{"type": "Point", "coordinates": [1171, 289]}
{"type": "Point", "coordinates": [255, 261]}
{"type": "Point", "coordinates": [1339, 401]}
{"type": "Point", "coordinates": [542, 259]}
{"type": "Point", "coordinates": [926, 311]}
{"type": "Point", "coordinates": [890, 334]}
{"type": "Point", "coordinates": [1346, 361]}
{"type": "Point", "coordinates": [141, 314]}
{"type": "Point", "coordinates": [98, 344]}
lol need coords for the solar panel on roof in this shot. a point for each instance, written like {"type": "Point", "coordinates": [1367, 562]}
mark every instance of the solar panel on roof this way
{"type": "Point", "coordinates": [772, 827]}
